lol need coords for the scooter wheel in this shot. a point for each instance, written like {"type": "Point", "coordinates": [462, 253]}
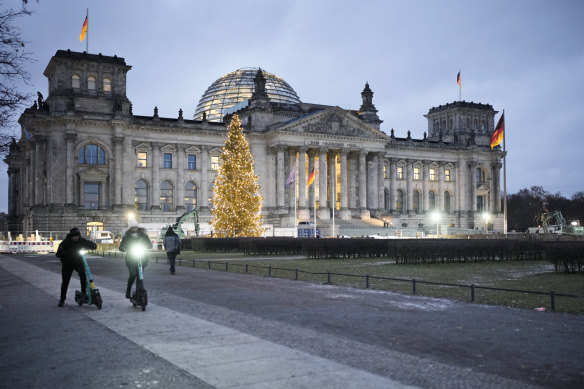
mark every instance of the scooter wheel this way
{"type": "Point", "coordinates": [98, 302]}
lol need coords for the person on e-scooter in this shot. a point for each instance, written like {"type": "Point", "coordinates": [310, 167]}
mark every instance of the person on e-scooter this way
{"type": "Point", "coordinates": [135, 236]}
{"type": "Point", "coordinates": [70, 257]}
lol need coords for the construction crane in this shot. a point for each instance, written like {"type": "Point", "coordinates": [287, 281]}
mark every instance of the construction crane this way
{"type": "Point", "coordinates": [559, 219]}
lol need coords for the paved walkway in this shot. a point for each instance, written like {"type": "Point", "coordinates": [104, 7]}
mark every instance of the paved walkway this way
{"type": "Point", "coordinates": [206, 329]}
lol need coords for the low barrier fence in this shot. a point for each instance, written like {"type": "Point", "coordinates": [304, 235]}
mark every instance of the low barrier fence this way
{"type": "Point", "coordinates": [366, 280]}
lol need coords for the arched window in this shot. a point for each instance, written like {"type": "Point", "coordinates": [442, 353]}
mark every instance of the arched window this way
{"type": "Point", "coordinates": [76, 81]}
{"type": "Point", "coordinates": [91, 83]}
{"type": "Point", "coordinates": [480, 176]}
{"type": "Point", "coordinates": [141, 195]}
{"type": "Point", "coordinates": [399, 201]}
{"type": "Point", "coordinates": [107, 85]}
{"type": "Point", "coordinates": [92, 155]}
{"type": "Point", "coordinates": [166, 196]}
{"type": "Point", "coordinates": [447, 202]}
{"type": "Point", "coordinates": [416, 204]}
{"type": "Point", "coordinates": [432, 201]}
{"type": "Point", "coordinates": [190, 195]}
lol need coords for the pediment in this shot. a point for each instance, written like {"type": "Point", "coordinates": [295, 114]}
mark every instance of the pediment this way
{"type": "Point", "coordinates": [193, 149]}
{"type": "Point", "coordinates": [333, 121]}
{"type": "Point", "coordinates": [143, 147]}
{"type": "Point", "coordinates": [216, 150]}
{"type": "Point", "coordinates": [93, 174]}
{"type": "Point", "coordinates": [168, 148]}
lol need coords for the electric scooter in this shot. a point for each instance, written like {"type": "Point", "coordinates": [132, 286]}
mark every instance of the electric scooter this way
{"type": "Point", "coordinates": [93, 296]}
{"type": "Point", "coordinates": [140, 297]}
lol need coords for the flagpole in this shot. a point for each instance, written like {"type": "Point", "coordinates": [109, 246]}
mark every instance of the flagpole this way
{"type": "Point", "coordinates": [87, 33]}
{"type": "Point", "coordinates": [504, 179]}
{"type": "Point", "coordinates": [315, 214]}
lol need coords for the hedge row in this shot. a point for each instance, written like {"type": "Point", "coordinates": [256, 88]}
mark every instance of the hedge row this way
{"type": "Point", "coordinates": [566, 256]}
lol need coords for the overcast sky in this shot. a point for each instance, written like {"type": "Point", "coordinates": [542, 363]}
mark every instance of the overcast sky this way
{"type": "Point", "coordinates": [523, 56]}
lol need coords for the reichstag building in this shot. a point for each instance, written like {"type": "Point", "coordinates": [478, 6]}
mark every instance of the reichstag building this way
{"type": "Point", "coordinates": [84, 159]}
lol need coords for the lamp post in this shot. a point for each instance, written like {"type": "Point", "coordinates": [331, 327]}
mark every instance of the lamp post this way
{"type": "Point", "coordinates": [486, 216]}
{"type": "Point", "coordinates": [436, 216]}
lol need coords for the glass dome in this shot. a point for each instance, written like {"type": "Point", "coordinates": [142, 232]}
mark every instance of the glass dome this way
{"type": "Point", "coordinates": [231, 92]}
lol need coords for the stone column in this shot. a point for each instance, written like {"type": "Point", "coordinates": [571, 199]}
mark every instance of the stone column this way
{"type": "Point", "coordinates": [345, 212]}
{"type": "Point", "coordinates": [497, 186]}
{"type": "Point", "coordinates": [180, 177]}
{"type": "Point", "coordinates": [155, 176]}
{"type": "Point", "coordinates": [425, 185]}
{"type": "Point", "coordinates": [440, 205]}
{"type": "Point", "coordinates": [331, 164]}
{"type": "Point", "coordinates": [205, 177]}
{"type": "Point", "coordinates": [365, 214]}
{"type": "Point", "coordinates": [312, 188]}
{"type": "Point", "coordinates": [128, 183]}
{"type": "Point", "coordinates": [280, 176]}
{"type": "Point", "coordinates": [292, 187]}
{"type": "Point", "coordinates": [392, 184]}
{"type": "Point", "coordinates": [38, 172]}
{"type": "Point", "coordinates": [372, 181]}
{"type": "Point", "coordinates": [409, 187]}
{"type": "Point", "coordinates": [380, 183]}
{"type": "Point", "coordinates": [302, 178]}
{"type": "Point", "coordinates": [473, 186]}
{"type": "Point", "coordinates": [69, 170]}
{"type": "Point", "coordinates": [323, 211]}
{"type": "Point", "coordinates": [118, 175]}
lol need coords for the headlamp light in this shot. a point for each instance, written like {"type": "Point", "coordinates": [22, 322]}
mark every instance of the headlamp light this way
{"type": "Point", "coordinates": [137, 250]}
{"type": "Point", "coordinates": [82, 252]}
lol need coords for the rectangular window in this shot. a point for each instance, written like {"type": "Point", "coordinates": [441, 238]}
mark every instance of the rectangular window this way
{"type": "Point", "coordinates": [416, 173]}
{"type": "Point", "coordinates": [167, 160]}
{"type": "Point", "coordinates": [215, 162]}
{"type": "Point", "coordinates": [191, 162]}
{"type": "Point", "coordinates": [142, 157]}
{"type": "Point", "coordinates": [384, 172]}
{"type": "Point", "coordinates": [432, 174]}
{"type": "Point", "coordinates": [481, 204]}
{"type": "Point", "coordinates": [447, 175]}
{"type": "Point", "coordinates": [91, 195]}
{"type": "Point", "coordinates": [400, 173]}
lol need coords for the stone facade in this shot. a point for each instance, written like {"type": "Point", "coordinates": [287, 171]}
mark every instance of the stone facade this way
{"type": "Point", "coordinates": [84, 158]}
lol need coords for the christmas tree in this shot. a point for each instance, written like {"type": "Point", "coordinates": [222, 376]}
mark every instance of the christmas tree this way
{"type": "Point", "coordinates": [237, 202]}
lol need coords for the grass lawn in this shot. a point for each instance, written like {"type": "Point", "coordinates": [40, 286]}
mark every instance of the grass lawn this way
{"type": "Point", "coordinates": [536, 276]}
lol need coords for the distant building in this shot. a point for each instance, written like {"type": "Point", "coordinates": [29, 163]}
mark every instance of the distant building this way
{"type": "Point", "coordinates": [84, 159]}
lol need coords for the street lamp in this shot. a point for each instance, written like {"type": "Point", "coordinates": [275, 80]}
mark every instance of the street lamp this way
{"type": "Point", "coordinates": [436, 216]}
{"type": "Point", "coordinates": [131, 216]}
{"type": "Point", "coordinates": [486, 216]}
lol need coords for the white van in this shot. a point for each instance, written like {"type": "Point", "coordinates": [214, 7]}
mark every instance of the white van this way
{"type": "Point", "coordinates": [101, 236]}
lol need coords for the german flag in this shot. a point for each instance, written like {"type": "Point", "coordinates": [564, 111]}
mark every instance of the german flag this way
{"type": "Point", "coordinates": [311, 178]}
{"type": "Point", "coordinates": [499, 133]}
{"type": "Point", "coordinates": [83, 30]}
{"type": "Point", "coordinates": [458, 79]}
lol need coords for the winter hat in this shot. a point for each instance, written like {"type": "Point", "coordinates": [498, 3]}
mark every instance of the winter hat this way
{"type": "Point", "coordinates": [74, 232]}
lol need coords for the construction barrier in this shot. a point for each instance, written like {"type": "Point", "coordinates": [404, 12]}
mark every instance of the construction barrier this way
{"type": "Point", "coordinates": [4, 246]}
{"type": "Point", "coordinates": [31, 247]}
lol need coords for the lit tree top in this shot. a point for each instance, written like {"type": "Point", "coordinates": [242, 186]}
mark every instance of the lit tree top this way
{"type": "Point", "coordinates": [237, 202]}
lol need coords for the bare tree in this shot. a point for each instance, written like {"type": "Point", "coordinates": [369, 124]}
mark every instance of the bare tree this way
{"type": "Point", "coordinates": [13, 59]}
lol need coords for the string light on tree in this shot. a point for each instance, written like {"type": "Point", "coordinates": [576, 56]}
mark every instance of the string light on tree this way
{"type": "Point", "coordinates": [237, 202]}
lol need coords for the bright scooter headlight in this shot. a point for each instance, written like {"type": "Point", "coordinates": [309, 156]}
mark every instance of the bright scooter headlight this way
{"type": "Point", "coordinates": [82, 252]}
{"type": "Point", "coordinates": [137, 251]}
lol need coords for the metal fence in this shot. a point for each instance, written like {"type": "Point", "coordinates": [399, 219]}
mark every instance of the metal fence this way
{"type": "Point", "coordinates": [366, 279]}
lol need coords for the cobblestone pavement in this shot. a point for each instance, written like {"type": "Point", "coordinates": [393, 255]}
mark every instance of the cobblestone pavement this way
{"type": "Point", "coordinates": [206, 329]}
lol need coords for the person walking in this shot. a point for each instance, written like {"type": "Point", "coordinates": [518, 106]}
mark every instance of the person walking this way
{"type": "Point", "coordinates": [134, 236]}
{"type": "Point", "coordinates": [171, 244]}
{"type": "Point", "coordinates": [68, 254]}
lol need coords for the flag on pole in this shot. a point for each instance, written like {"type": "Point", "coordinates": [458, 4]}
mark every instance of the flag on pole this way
{"type": "Point", "coordinates": [499, 133]}
{"type": "Point", "coordinates": [291, 176]}
{"type": "Point", "coordinates": [311, 178]}
{"type": "Point", "coordinates": [83, 30]}
{"type": "Point", "coordinates": [458, 79]}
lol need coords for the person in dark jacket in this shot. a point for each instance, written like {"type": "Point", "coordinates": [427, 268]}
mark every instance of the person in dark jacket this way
{"type": "Point", "coordinates": [134, 236]}
{"type": "Point", "coordinates": [68, 254]}
{"type": "Point", "coordinates": [171, 244]}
